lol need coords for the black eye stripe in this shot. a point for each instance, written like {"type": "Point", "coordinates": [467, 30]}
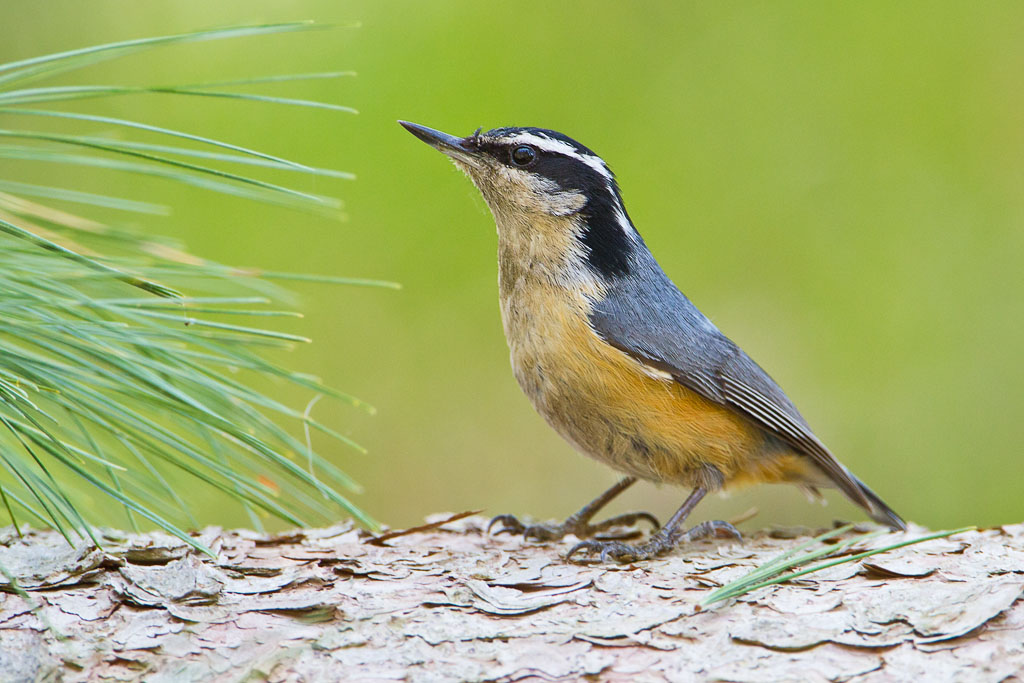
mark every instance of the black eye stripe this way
{"type": "Point", "coordinates": [567, 170]}
{"type": "Point", "coordinates": [542, 159]}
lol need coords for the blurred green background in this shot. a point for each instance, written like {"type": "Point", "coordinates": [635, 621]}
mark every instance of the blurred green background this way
{"type": "Point", "coordinates": [839, 187]}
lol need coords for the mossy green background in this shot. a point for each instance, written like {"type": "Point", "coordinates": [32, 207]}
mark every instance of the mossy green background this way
{"type": "Point", "coordinates": [840, 187]}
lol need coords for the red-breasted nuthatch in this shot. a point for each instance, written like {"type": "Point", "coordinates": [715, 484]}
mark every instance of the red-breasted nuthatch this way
{"type": "Point", "coordinates": [615, 357]}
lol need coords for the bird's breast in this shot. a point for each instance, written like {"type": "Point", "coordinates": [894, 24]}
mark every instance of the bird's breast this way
{"type": "Point", "coordinates": [612, 407]}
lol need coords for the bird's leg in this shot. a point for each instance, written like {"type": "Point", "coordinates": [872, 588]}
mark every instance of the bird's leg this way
{"type": "Point", "coordinates": [666, 538]}
{"type": "Point", "coordinates": [579, 523]}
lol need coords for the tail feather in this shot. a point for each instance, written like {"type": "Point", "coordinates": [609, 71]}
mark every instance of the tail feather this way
{"type": "Point", "coordinates": [879, 511]}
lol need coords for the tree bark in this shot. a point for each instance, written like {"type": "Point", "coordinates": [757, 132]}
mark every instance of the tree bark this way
{"type": "Point", "coordinates": [447, 602]}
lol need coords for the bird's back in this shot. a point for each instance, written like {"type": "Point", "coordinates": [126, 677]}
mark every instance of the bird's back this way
{"type": "Point", "coordinates": [645, 316]}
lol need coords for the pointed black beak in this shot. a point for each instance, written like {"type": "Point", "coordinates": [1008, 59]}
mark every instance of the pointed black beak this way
{"type": "Point", "coordinates": [441, 141]}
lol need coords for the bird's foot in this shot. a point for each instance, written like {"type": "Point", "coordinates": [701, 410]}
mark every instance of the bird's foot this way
{"type": "Point", "coordinates": [622, 524]}
{"type": "Point", "coordinates": [666, 539]}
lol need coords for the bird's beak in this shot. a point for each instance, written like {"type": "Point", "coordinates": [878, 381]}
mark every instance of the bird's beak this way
{"type": "Point", "coordinates": [460, 149]}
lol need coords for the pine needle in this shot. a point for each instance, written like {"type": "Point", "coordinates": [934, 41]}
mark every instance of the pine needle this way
{"type": "Point", "coordinates": [776, 571]}
{"type": "Point", "coordinates": [130, 397]}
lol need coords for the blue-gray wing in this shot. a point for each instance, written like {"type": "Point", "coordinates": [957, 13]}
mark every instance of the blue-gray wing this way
{"type": "Point", "coordinates": [648, 318]}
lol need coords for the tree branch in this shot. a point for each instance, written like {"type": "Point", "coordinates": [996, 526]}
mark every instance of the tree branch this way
{"type": "Point", "coordinates": [450, 603]}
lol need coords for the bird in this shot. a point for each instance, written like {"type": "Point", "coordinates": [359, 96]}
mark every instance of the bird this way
{"type": "Point", "coordinates": [617, 359]}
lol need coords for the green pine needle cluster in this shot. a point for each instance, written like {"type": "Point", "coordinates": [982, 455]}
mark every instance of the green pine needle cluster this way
{"type": "Point", "coordinates": [782, 568]}
{"type": "Point", "coordinates": [120, 360]}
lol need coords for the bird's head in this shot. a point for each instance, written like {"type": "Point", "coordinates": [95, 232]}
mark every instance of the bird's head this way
{"type": "Point", "coordinates": [533, 177]}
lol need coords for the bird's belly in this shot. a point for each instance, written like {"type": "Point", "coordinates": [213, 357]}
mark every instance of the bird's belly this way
{"type": "Point", "coordinates": [612, 408]}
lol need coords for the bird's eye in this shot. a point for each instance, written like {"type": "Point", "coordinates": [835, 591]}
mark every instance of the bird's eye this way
{"type": "Point", "coordinates": [523, 155]}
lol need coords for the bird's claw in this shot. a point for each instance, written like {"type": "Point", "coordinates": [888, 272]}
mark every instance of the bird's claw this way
{"type": "Point", "coordinates": [616, 550]}
{"type": "Point", "coordinates": [510, 524]}
{"type": "Point", "coordinates": [715, 527]}
{"type": "Point", "coordinates": [660, 543]}
{"type": "Point", "coordinates": [628, 519]}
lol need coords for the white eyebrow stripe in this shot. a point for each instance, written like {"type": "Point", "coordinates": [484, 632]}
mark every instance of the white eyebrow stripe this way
{"type": "Point", "coordinates": [559, 147]}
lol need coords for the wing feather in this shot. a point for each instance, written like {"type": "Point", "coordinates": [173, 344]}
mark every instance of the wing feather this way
{"type": "Point", "coordinates": [648, 318]}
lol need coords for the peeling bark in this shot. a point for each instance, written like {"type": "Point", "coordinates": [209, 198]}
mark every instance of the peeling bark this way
{"type": "Point", "coordinates": [448, 603]}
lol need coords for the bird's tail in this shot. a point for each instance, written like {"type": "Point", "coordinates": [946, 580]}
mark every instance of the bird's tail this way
{"type": "Point", "coordinates": [876, 507]}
